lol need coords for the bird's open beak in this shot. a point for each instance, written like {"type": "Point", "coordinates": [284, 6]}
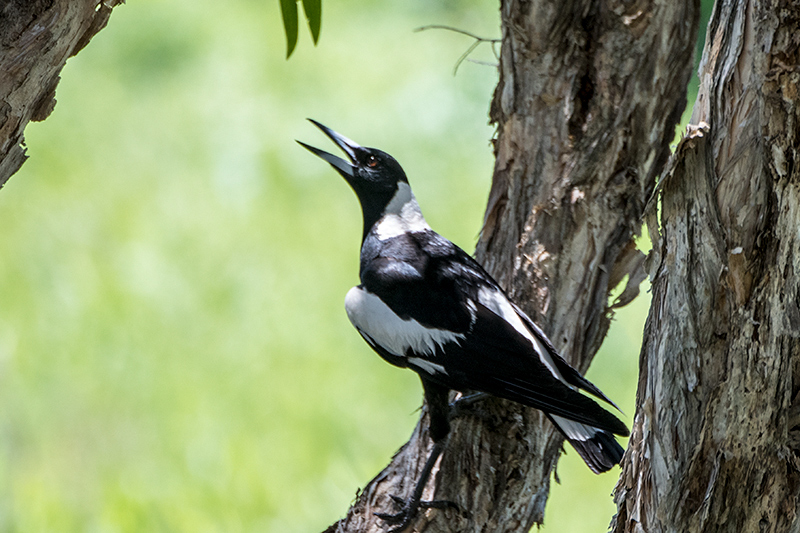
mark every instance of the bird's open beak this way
{"type": "Point", "coordinates": [347, 169]}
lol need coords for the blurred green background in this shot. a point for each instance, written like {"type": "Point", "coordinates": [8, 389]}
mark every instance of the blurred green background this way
{"type": "Point", "coordinates": [174, 352]}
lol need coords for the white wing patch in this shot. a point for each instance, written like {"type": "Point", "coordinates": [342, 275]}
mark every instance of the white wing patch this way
{"type": "Point", "coordinates": [497, 303]}
{"type": "Point", "coordinates": [402, 215]}
{"type": "Point", "coordinates": [370, 315]}
{"type": "Point", "coordinates": [575, 430]}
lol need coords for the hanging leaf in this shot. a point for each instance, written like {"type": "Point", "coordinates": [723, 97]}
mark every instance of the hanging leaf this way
{"type": "Point", "coordinates": [313, 9]}
{"type": "Point", "coordinates": [289, 12]}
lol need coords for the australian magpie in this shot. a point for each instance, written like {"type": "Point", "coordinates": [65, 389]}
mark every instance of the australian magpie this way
{"type": "Point", "coordinates": [425, 304]}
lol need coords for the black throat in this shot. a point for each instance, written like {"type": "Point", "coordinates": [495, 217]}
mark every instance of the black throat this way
{"type": "Point", "coordinates": [373, 207]}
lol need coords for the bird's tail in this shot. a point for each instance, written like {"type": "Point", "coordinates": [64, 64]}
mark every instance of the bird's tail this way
{"type": "Point", "coordinates": [598, 448]}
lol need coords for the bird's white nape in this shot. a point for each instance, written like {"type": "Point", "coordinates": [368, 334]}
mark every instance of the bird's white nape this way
{"type": "Point", "coordinates": [372, 317]}
{"type": "Point", "coordinates": [400, 199]}
{"type": "Point", "coordinates": [402, 215]}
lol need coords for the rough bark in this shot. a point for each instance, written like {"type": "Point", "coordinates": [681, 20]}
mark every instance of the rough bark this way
{"type": "Point", "coordinates": [36, 39]}
{"type": "Point", "coordinates": [716, 435]}
{"type": "Point", "coordinates": [587, 102]}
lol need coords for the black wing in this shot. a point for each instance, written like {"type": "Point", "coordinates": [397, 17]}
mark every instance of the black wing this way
{"type": "Point", "coordinates": [424, 277]}
{"type": "Point", "coordinates": [495, 357]}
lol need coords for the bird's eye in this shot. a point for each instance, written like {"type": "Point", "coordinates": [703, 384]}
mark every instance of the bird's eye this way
{"type": "Point", "coordinates": [372, 162]}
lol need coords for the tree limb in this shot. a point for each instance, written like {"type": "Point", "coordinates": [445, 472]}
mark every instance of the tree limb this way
{"type": "Point", "coordinates": [36, 39]}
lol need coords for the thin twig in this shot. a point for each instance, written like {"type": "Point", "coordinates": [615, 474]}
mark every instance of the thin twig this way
{"type": "Point", "coordinates": [472, 47]}
{"type": "Point", "coordinates": [461, 59]}
{"type": "Point", "coordinates": [457, 30]}
{"type": "Point", "coordinates": [484, 63]}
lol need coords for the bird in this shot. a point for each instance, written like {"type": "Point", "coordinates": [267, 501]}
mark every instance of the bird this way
{"type": "Point", "coordinates": [425, 304]}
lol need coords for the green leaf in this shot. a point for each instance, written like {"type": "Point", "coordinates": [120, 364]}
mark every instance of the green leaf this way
{"type": "Point", "coordinates": [289, 12]}
{"type": "Point", "coordinates": [313, 9]}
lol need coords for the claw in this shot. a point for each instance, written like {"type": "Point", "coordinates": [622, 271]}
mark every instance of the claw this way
{"type": "Point", "coordinates": [393, 519]}
{"type": "Point", "coordinates": [410, 507]}
{"type": "Point", "coordinates": [409, 510]}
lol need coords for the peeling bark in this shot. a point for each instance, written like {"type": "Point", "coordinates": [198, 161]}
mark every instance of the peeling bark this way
{"type": "Point", "coordinates": [36, 39]}
{"type": "Point", "coordinates": [587, 102]}
{"type": "Point", "coordinates": [716, 435]}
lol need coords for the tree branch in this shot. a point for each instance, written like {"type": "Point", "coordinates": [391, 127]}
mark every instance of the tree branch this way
{"type": "Point", "coordinates": [36, 39]}
{"type": "Point", "coordinates": [470, 49]}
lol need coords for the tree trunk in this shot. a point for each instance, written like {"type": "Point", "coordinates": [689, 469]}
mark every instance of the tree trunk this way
{"type": "Point", "coordinates": [716, 435]}
{"type": "Point", "coordinates": [587, 102]}
{"type": "Point", "coordinates": [36, 38]}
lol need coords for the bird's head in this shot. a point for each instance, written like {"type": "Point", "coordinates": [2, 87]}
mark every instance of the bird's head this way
{"type": "Point", "coordinates": [373, 174]}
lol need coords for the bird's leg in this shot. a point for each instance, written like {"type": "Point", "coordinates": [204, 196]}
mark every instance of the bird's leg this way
{"type": "Point", "coordinates": [469, 405]}
{"type": "Point", "coordinates": [439, 415]}
{"type": "Point", "coordinates": [410, 507]}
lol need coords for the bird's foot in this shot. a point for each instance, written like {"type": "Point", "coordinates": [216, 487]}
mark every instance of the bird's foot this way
{"type": "Point", "coordinates": [465, 405]}
{"type": "Point", "coordinates": [409, 510]}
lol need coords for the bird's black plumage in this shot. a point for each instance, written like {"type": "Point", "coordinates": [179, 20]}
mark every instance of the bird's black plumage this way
{"type": "Point", "coordinates": [425, 304]}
